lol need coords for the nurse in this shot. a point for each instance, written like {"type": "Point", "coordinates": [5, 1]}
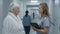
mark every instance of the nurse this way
{"type": "Point", "coordinates": [12, 23]}
{"type": "Point", "coordinates": [44, 22]}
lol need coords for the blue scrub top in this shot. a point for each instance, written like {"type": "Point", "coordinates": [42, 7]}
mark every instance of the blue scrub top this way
{"type": "Point", "coordinates": [26, 20]}
{"type": "Point", "coordinates": [44, 23]}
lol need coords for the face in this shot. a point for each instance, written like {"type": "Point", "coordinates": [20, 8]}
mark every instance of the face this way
{"type": "Point", "coordinates": [16, 10]}
{"type": "Point", "coordinates": [40, 9]}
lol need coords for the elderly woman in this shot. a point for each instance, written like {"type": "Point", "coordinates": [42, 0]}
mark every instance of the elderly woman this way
{"type": "Point", "coordinates": [12, 23]}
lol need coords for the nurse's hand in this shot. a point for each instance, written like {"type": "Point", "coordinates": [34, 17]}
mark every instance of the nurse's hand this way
{"type": "Point", "coordinates": [34, 28]}
{"type": "Point", "coordinates": [43, 31]}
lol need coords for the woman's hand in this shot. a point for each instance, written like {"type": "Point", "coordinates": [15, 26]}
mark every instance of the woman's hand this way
{"type": "Point", "coordinates": [43, 31]}
{"type": "Point", "coordinates": [34, 28]}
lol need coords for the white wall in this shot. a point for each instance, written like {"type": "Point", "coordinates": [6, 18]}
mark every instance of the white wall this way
{"type": "Point", "coordinates": [57, 16]}
{"type": "Point", "coordinates": [22, 9]}
{"type": "Point", "coordinates": [1, 4]}
{"type": "Point", "coordinates": [4, 6]}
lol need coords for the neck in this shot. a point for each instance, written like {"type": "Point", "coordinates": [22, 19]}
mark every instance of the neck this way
{"type": "Point", "coordinates": [14, 14]}
{"type": "Point", "coordinates": [43, 15]}
{"type": "Point", "coordinates": [26, 15]}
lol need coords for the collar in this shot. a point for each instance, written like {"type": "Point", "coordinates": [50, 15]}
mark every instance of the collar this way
{"type": "Point", "coordinates": [13, 16]}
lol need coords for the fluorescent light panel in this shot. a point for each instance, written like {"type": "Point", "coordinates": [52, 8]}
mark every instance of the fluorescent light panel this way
{"type": "Point", "coordinates": [56, 1]}
{"type": "Point", "coordinates": [34, 1]}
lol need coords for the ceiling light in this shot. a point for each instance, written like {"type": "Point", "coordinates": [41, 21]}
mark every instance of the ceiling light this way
{"type": "Point", "coordinates": [56, 2]}
{"type": "Point", "coordinates": [34, 1]}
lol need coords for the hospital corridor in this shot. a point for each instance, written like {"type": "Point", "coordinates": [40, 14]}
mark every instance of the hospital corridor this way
{"type": "Point", "coordinates": [29, 16]}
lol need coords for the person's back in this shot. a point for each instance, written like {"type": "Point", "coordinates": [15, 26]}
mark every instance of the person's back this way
{"type": "Point", "coordinates": [26, 22]}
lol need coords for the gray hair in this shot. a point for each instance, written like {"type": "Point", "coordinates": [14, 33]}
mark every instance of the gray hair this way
{"type": "Point", "coordinates": [12, 6]}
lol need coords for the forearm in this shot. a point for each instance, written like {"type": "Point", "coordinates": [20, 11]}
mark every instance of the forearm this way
{"type": "Point", "coordinates": [43, 31]}
{"type": "Point", "coordinates": [40, 30]}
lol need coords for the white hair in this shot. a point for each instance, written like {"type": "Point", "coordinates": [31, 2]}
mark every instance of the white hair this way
{"type": "Point", "coordinates": [13, 5]}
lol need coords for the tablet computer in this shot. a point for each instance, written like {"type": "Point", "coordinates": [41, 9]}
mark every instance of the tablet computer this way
{"type": "Point", "coordinates": [35, 25]}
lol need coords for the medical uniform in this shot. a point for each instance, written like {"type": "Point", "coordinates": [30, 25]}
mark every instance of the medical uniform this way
{"type": "Point", "coordinates": [12, 25]}
{"type": "Point", "coordinates": [26, 23]}
{"type": "Point", "coordinates": [44, 22]}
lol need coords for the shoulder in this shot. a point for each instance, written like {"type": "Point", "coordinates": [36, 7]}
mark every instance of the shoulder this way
{"type": "Point", "coordinates": [46, 18]}
{"type": "Point", "coordinates": [46, 22]}
{"type": "Point", "coordinates": [7, 18]}
{"type": "Point", "coordinates": [24, 16]}
{"type": "Point", "coordinates": [29, 16]}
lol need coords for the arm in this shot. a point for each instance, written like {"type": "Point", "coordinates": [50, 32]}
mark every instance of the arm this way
{"type": "Point", "coordinates": [45, 28]}
{"type": "Point", "coordinates": [44, 31]}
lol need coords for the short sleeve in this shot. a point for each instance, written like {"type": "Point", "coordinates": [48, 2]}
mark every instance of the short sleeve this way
{"type": "Point", "coordinates": [46, 22]}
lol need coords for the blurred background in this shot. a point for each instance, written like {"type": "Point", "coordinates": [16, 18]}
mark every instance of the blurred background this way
{"type": "Point", "coordinates": [32, 6]}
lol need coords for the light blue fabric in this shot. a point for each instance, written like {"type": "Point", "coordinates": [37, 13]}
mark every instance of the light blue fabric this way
{"type": "Point", "coordinates": [44, 23]}
{"type": "Point", "coordinates": [26, 20]}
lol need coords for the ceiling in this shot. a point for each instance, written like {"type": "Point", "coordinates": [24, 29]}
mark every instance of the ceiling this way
{"type": "Point", "coordinates": [30, 0]}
